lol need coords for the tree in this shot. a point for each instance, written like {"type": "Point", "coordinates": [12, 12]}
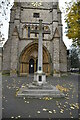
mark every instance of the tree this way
{"type": "Point", "coordinates": [72, 18]}
{"type": "Point", "coordinates": [5, 6]}
{"type": "Point", "coordinates": [74, 58]}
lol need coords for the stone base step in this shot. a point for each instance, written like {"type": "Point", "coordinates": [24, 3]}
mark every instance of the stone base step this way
{"type": "Point", "coordinates": [40, 92]}
{"type": "Point", "coordinates": [41, 95]}
{"type": "Point", "coordinates": [34, 92]}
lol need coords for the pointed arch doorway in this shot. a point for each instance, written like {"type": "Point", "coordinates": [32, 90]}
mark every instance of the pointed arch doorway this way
{"type": "Point", "coordinates": [31, 66]}
{"type": "Point", "coordinates": [29, 60]}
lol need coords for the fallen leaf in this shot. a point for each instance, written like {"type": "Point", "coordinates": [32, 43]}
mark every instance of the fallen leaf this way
{"type": "Point", "coordinates": [54, 111]}
{"type": "Point", "coordinates": [50, 112]}
{"type": "Point", "coordinates": [28, 102]}
{"type": "Point", "coordinates": [59, 106]}
{"type": "Point", "coordinates": [9, 87]}
{"type": "Point", "coordinates": [23, 86]}
{"type": "Point", "coordinates": [29, 116]}
{"type": "Point", "coordinates": [70, 113]}
{"type": "Point", "coordinates": [71, 117]}
{"type": "Point", "coordinates": [65, 106]}
{"type": "Point", "coordinates": [67, 98]}
{"type": "Point", "coordinates": [66, 102]}
{"type": "Point", "coordinates": [62, 88]}
{"type": "Point", "coordinates": [4, 97]}
{"type": "Point", "coordinates": [45, 98]}
{"type": "Point", "coordinates": [24, 98]}
{"type": "Point", "coordinates": [57, 102]}
{"type": "Point", "coordinates": [44, 109]}
{"type": "Point", "coordinates": [72, 108]}
{"type": "Point", "coordinates": [50, 98]}
{"type": "Point", "coordinates": [61, 111]}
{"type": "Point", "coordinates": [12, 117]}
{"type": "Point", "coordinates": [38, 112]}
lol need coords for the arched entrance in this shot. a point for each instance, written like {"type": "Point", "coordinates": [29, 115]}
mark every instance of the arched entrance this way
{"type": "Point", "coordinates": [31, 66]}
{"type": "Point", "coordinates": [29, 60]}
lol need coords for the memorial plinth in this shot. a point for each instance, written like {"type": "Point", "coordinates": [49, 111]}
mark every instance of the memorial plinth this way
{"type": "Point", "coordinates": [39, 87]}
{"type": "Point", "coordinates": [39, 91]}
{"type": "Point", "coordinates": [39, 78]}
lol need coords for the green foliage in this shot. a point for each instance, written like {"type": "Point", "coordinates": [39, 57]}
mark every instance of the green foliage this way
{"type": "Point", "coordinates": [72, 19]}
{"type": "Point", "coordinates": [74, 57]}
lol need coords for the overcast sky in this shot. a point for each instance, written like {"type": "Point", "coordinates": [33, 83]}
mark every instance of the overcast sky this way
{"type": "Point", "coordinates": [68, 42]}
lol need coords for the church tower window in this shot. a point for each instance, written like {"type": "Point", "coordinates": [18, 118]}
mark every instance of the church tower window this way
{"type": "Point", "coordinates": [28, 31]}
{"type": "Point", "coordinates": [36, 15]}
{"type": "Point", "coordinates": [43, 32]}
{"type": "Point", "coordinates": [36, 30]}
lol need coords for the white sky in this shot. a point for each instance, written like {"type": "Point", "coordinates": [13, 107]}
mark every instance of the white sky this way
{"type": "Point", "coordinates": [67, 41]}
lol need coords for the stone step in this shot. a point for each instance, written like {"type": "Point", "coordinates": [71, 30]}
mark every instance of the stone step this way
{"type": "Point", "coordinates": [54, 95]}
{"type": "Point", "coordinates": [45, 90]}
{"type": "Point", "coordinates": [40, 93]}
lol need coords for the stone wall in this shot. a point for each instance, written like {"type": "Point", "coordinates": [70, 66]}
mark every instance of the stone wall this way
{"type": "Point", "coordinates": [63, 57]}
{"type": "Point", "coordinates": [6, 56]}
{"type": "Point", "coordinates": [23, 44]}
{"type": "Point", "coordinates": [56, 54]}
{"type": "Point", "coordinates": [14, 53]}
{"type": "Point", "coordinates": [27, 14]}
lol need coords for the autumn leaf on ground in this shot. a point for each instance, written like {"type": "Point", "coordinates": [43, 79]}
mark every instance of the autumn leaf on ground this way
{"type": "Point", "coordinates": [50, 112]}
{"type": "Point", "coordinates": [72, 106]}
{"type": "Point", "coordinates": [19, 116]}
{"type": "Point", "coordinates": [12, 117]}
{"type": "Point", "coordinates": [62, 88]}
{"type": "Point", "coordinates": [54, 111]}
{"type": "Point", "coordinates": [45, 109]}
{"type": "Point", "coordinates": [38, 112]}
{"type": "Point", "coordinates": [27, 102]}
{"type": "Point", "coordinates": [61, 111]}
{"type": "Point", "coordinates": [17, 92]}
{"type": "Point", "coordinates": [47, 98]}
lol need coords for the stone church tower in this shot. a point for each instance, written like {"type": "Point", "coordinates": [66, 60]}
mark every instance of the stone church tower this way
{"type": "Point", "coordinates": [20, 52]}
